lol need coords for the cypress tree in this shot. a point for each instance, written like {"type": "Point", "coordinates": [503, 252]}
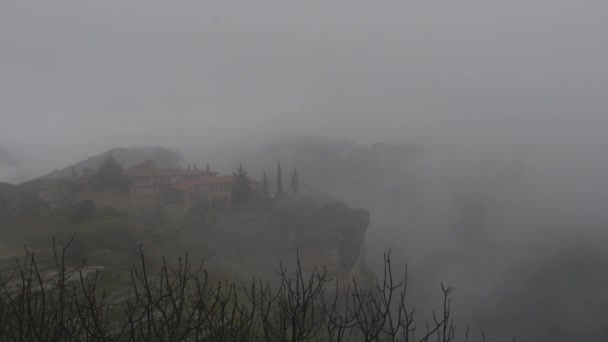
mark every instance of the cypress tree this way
{"type": "Point", "coordinates": [241, 190]}
{"type": "Point", "coordinates": [111, 176]}
{"type": "Point", "coordinates": [295, 183]}
{"type": "Point", "coordinates": [279, 179]}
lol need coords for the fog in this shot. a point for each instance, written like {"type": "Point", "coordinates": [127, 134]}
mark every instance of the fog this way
{"type": "Point", "coordinates": [508, 99]}
{"type": "Point", "coordinates": [81, 75]}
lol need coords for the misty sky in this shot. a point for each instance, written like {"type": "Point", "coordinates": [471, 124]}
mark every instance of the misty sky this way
{"type": "Point", "coordinates": [79, 77]}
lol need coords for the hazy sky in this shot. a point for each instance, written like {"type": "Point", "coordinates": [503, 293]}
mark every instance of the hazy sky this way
{"type": "Point", "coordinates": [78, 77]}
{"type": "Point", "coordinates": [525, 77]}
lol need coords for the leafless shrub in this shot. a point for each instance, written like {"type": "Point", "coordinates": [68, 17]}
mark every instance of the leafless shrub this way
{"type": "Point", "coordinates": [181, 303]}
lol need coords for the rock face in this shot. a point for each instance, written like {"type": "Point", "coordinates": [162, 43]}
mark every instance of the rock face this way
{"type": "Point", "coordinates": [249, 241]}
{"type": "Point", "coordinates": [331, 234]}
{"type": "Point", "coordinates": [253, 241]}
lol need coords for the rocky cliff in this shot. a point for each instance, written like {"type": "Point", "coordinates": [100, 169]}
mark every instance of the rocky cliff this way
{"type": "Point", "coordinates": [250, 241]}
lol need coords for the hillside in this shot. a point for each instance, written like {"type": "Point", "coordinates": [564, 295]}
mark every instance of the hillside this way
{"type": "Point", "coordinates": [164, 157]}
{"type": "Point", "coordinates": [240, 243]}
{"type": "Point", "coordinates": [17, 202]}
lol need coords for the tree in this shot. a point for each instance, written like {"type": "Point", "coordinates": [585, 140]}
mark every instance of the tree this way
{"type": "Point", "coordinates": [279, 179]}
{"type": "Point", "coordinates": [295, 183]}
{"type": "Point", "coordinates": [241, 189]}
{"type": "Point", "coordinates": [182, 303]}
{"type": "Point", "coordinates": [85, 211]}
{"type": "Point", "coordinates": [110, 176]}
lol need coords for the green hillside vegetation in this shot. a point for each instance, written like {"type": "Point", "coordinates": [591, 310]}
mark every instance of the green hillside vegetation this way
{"type": "Point", "coordinates": [269, 231]}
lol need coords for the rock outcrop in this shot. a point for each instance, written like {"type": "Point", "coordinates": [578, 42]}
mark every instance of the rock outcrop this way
{"type": "Point", "coordinates": [252, 241]}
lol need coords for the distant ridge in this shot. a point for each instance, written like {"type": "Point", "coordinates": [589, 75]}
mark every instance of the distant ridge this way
{"type": "Point", "coordinates": [164, 157]}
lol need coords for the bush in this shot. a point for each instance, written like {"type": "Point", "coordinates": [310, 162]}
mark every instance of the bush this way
{"type": "Point", "coordinates": [85, 211]}
{"type": "Point", "coordinates": [182, 304]}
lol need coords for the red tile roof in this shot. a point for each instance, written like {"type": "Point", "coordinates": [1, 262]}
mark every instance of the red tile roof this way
{"type": "Point", "coordinates": [153, 183]}
{"type": "Point", "coordinates": [189, 184]}
{"type": "Point", "coordinates": [140, 173]}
